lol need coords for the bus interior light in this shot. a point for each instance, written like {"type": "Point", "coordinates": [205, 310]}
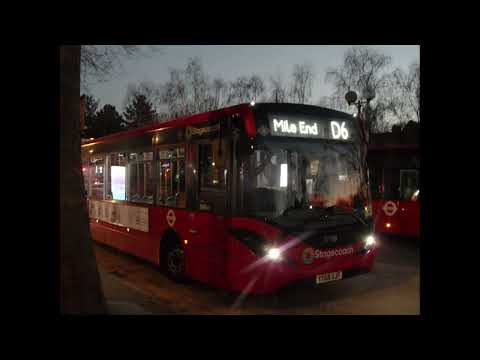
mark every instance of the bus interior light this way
{"type": "Point", "coordinates": [283, 175]}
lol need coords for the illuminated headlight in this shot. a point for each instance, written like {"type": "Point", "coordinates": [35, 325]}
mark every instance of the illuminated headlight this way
{"type": "Point", "coordinates": [370, 241]}
{"type": "Point", "coordinates": [274, 254]}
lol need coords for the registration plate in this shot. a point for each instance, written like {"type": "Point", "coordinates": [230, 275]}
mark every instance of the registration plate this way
{"type": "Point", "coordinates": [327, 277]}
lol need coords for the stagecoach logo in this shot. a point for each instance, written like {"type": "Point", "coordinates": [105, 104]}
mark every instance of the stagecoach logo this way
{"type": "Point", "coordinates": [308, 255]}
{"type": "Point", "coordinates": [171, 217]}
{"type": "Point", "coordinates": [193, 131]}
{"type": "Point", "coordinates": [389, 208]}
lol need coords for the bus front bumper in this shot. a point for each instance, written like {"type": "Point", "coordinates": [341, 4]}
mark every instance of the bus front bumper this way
{"type": "Point", "coordinates": [270, 276]}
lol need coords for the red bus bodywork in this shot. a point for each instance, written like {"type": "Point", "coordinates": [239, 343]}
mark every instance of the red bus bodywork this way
{"type": "Point", "coordinates": [212, 254]}
{"type": "Point", "coordinates": [393, 214]}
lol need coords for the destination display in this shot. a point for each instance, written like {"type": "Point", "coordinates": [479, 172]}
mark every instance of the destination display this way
{"type": "Point", "coordinates": [308, 127]}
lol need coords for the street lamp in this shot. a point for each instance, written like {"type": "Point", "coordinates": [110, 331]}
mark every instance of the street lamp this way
{"type": "Point", "coordinates": [367, 96]}
{"type": "Point", "coordinates": [352, 99]}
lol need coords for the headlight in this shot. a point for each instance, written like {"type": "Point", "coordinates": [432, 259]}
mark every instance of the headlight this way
{"type": "Point", "coordinates": [274, 254]}
{"type": "Point", "coordinates": [370, 241]}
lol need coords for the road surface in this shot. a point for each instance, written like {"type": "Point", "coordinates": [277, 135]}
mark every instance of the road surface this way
{"type": "Point", "coordinates": [393, 287]}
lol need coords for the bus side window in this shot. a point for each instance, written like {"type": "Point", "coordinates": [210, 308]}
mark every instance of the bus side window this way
{"type": "Point", "coordinates": [140, 183]}
{"type": "Point", "coordinates": [96, 177]}
{"type": "Point", "coordinates": [116, 176]}
{"type": "Point", "coordinates": [408, 184]}
{"type": "Point", "coordinates": [86, 176]}
{"type": "Point", "coordinates": [391, 183]}
{"type": "Point", "coordinates": [376, 183]}
{"type": "Point", "coordinates": [171, 171]}
{"type": "Point", "coordinates": [212, 175]}
{"type": "Point", "coordinates": [212, 179]}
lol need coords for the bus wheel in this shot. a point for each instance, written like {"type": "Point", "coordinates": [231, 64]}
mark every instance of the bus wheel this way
{"type": "Point", "coordinates": [173, 261]}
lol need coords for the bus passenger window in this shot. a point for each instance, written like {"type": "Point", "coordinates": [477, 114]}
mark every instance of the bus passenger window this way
{"type": "Point", "coordinates": [96, 177]}
{"type": "Point", "coordinates": [86, 176]}
{"type": "Point", "coordinates": [376, 183]}
{"type": "Point", "coordinates": [171, 172]}
{"type": "Point", "coordinates": [140, 177]}
{"type": "Point", "coordinates": [116, 176]}
{"type": "Point", "coordinates": [409, 184]}
{"type": "Point", "coordinates": [391, 184]}
{"type": "Point", "coordinates": [212, 176]}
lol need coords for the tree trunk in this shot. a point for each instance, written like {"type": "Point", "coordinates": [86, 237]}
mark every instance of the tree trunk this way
{"type": "Point", "coordinates": [80, 291]}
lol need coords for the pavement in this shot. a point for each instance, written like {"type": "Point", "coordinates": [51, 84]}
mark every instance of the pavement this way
{"type": "Point", "coordinates": [122, 298]}
{"type": "Point", "coordinates": [134, 287]}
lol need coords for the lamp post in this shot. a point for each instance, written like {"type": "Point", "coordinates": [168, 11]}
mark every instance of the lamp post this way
{"type": "Point", "coordinates": [352, 98]}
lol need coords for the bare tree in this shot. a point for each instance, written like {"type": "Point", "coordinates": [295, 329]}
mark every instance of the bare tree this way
{"type": "Point", "coordinates": [239, 90]}
{"type": "Point", "coordinates": [175, 95]}
{"type": "Point", "coordinates": [219, 90]}
{"type": "Point", "coordinates": [405, 94]}
{"type": "Point", "coordinates": [302, 82]}
{"type": "Point", "coordinates": [334, 102]}
{"type": "Point", "coordinates": [149, 89]}
{"type": "Point", "coordinates": [363, 70]}
{"type": "Point", "coordinates": [80, 290]}
{"type": "Point", "coordinates": [100, 63]}
{"type": "Point", "coordinates": [245, 89]}
{"type": "Point", "coordinates": [257, 87]}
{"type": "Point", "coordinates": [279, 92]}
{"type": "Point", "coordinates": [197, 86]}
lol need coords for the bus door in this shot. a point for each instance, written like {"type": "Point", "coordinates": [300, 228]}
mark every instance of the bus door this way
{"type": "Point", "coordinates": [208, 202]}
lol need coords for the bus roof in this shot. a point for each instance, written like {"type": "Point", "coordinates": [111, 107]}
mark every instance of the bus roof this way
{"type": "Point", "coordinates": [181, 121]}
{"type": "Point", "coordinates": [193, 119]}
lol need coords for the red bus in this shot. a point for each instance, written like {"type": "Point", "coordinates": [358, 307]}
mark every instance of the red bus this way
{"type": "Point", "coordinates": [248, 198]}
{"type": "Point", "coordinates": [395, 184]}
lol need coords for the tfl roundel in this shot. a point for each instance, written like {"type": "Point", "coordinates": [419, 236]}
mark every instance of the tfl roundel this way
{"type": "Point", "coordinates": [389, 208]}
{"type": "Point", "coordinates": [171, 217]}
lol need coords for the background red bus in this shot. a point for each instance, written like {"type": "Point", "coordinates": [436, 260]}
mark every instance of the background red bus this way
{"type": "Point", "coordinates": [394, 171]}
{"type": "Point", "coordinates": [247, 198]}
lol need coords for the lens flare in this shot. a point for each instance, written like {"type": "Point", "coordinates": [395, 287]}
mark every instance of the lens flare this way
{"type": "Point", "coordinates": [273, 254]}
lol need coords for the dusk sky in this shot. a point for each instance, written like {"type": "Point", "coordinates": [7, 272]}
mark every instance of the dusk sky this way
{"type": "Point", "coordinates": [231, 61]}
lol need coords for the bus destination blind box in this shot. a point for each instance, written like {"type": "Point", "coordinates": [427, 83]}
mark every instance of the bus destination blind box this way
{"type": "Point", "coordinates": [309, 128]}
